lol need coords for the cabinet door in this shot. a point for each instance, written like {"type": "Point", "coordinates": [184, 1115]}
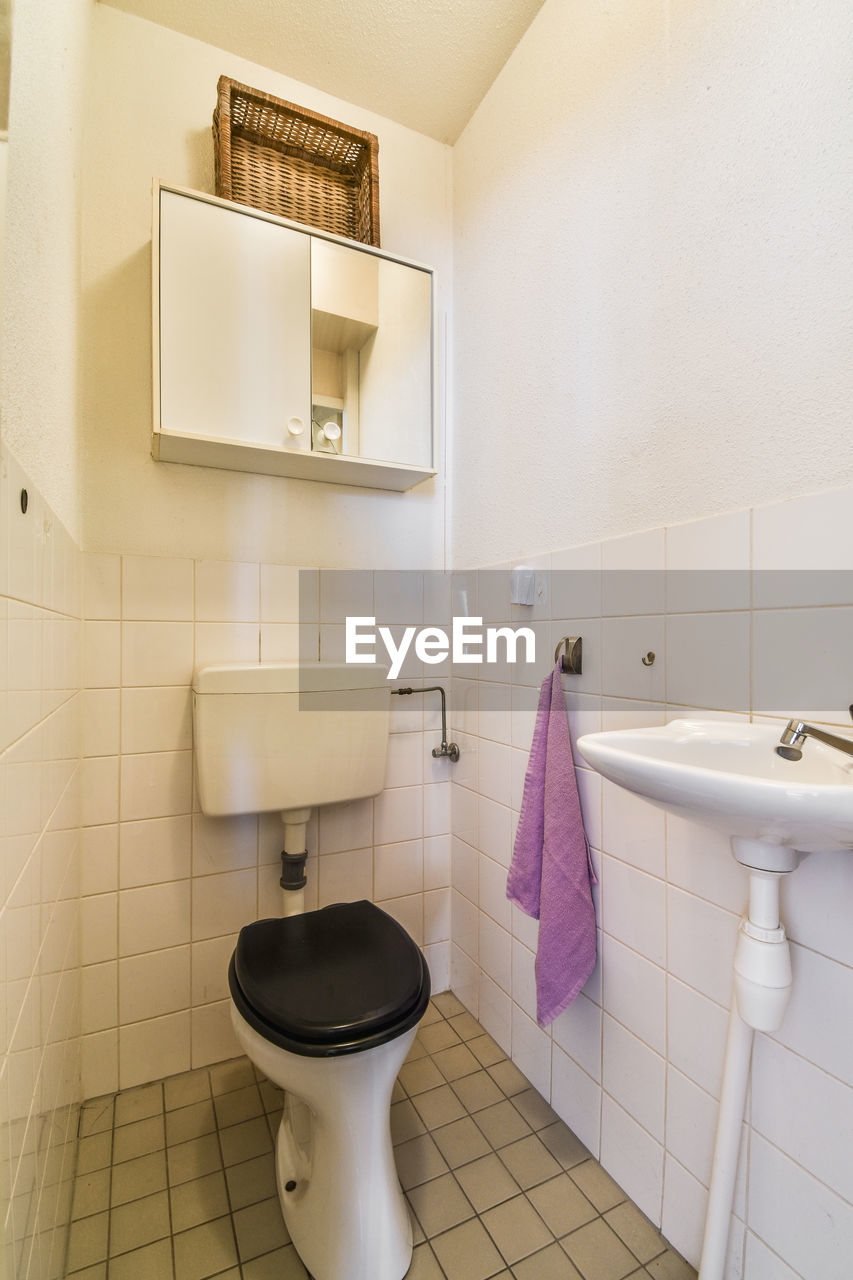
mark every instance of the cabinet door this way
{"type": "Point", "coordinates": [235, 325]}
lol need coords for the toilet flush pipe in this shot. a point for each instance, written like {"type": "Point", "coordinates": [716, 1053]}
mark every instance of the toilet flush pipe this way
{"type": "Point", "coordinates": [762, 987]}
{"type": "Point", "coordinates": [293, 857]}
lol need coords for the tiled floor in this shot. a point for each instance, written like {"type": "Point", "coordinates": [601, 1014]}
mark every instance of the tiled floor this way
{"type": "Point", "coordinates": [176, 1179]}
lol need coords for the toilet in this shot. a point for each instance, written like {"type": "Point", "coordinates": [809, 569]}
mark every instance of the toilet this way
{"type": "Point", "coordinates": [327, 1003]}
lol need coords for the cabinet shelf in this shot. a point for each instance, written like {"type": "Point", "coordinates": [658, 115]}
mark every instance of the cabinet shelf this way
{"type": "Point", "coordinates": [238, 455]}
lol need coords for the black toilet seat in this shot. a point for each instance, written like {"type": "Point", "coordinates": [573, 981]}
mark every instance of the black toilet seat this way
{"type": "Point", "coordinates": [339, 980]}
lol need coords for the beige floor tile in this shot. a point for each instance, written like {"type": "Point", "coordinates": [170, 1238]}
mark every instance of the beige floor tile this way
{"type": "Point", "coordinates": [448, 1005]}
{"type": "Point", "coordinates": [424, 1265]}
{"type": "Point", "coordinates": [561, 1205]}
{"type": "Point", "coordinates": [185, 1123]}
{"type": "Point", "coordinates": [237, 1073]}
{"type": "Point", "coordinates": [456, 1061]}
{"type": "Point", "coordinates": [139, 1104]}
{"type": "Point", "coordinates": [466, 1027]}
{"type": "Point", "coordinates": [529, 1162]}
{"type": "Point", "coordinates": [284, 1264]}
{"type": "Point", "coordinates": [96, 1116]}
{"type": "Point", "coordinates": [193, 1159]}
{"type": "Point", "coordinates": [670, 1266]}
{"type": "Point", "coordinates": [87, 1241]}
{"type": "Point", "coordinates": [535, 1109]}
{"type": "Point", "coordinates": [486, 1051]}
{"type": "Point", "coordinates": [417, 1077]}
{"type": "Point", "coordinates": [139, 1223]}
{"type": "Point", "coordinates": [477, 1091]}
{"type": "Point", "coordinates": [418, 1050]}
{"type": "Point", "coordinates": [398, 1093]}
{"type": "Point", "coordinates": [138, 1138]}
{"type": "Point", "coordinates": [405, 1122]}
{"type": "Point", "coordinates": [205, 1251]}
{"type": "Point", "coordinates": [440, 1035]}
{"type": "Point", "coordinates": [185, 1089]}
{"type": "Point", "coordinates": [564, 1145]}
{"type": "Point", "coordinates": [502, 1124]}
{"type": "Point", "coordinates": [598, 1253]}
{"type": "Point", "coordinates": [467, 1252]}
{"type": "Point", "coordinates": [137, 1178]}
{"type": "Point", "coordinates": [94, 1152]}
{"type": "Point", "coordinates": [516, 1229]}
{"type": "Point", "coordinates": [597, 1185]}
{"type": "Point", "coordinates": [549, 1264]}
{"type": "Point", "coordinates": [271, 1096]}
{"type": "Point", "coordinates": [251, 1181]}
{"type": "Point", "coordinates": [460, 1142]}
{"type": "Point", "coordinates": [634, 1228]}
{"type": "Point", "coordinates": [245, 1141]}
{"type": "Point", "coordinates": [198, 1201]}
{"type": "Point", "coordinates": [486, 1182]}
{"type": "Point", "coordinates": [239, 1105]}
{"type": "Point", "coordinates": [440, 1204]}
{"type": "Point", "coordinates": [439, 1106]}
{"type": "Point", "coordinates": [260, 1229]}
{"type": "Point", "coordinates": [418, 1161]}
{"type": "Point", "coordinates": [154, 1262]}
{"type": "Point", "coordinates": [508, 1078]}
{"type": "Point", "coordinates": [91, 1193]}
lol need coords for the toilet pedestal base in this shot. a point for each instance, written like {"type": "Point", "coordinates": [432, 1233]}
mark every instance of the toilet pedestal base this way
{"type": "Point", "coordinates": [345, 1211]}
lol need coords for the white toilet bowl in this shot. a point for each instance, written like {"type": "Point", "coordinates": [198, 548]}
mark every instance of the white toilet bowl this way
{"type": "Point", "coordinates": [326, 1005]}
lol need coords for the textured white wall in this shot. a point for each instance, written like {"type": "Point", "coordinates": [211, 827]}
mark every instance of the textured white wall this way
{"type": "Point", "coordinates": [652, 262]}
{"type": "Point", "coordinates": [149, 114]}
{"type": "Point", "coordinates": [38, 375]}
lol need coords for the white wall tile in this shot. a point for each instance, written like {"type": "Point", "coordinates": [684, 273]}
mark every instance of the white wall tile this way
{"type": "Point", "coordinates": [707, 660]}
{"type": "Point", "coordinates": [212, 1036]}
{"type": "Point", "coordinates": [154, 850]}
{"type": "Point", "coordinates": [701, 942]}
{"type": "Point", "coordinates": [156, 785]}
{"type": "Point", "coordinates": [696, 1035]}
{"type": "Point", "coordinates": [398, 869]}
{"type": "Point", "coordinates": [576, 1098]}
{"type": "Point", "coordinates": [494, 770]}
{"type": "Point", "coordinates": [99, 790]}
{"type": "Point", "coordinates": [632, 1157]}
{"type": "Point", "coordinates": [152, 1050]}
{"type": "Point", "coordinates": [633, 830]}
{"type": "Point", "coordinates": [465, 869]}
{"type": "Point", "coordinates": [578, 1032]}
{"type": "Point", "coordinates": [808, 900]}
{"type": "Point", "coordinates": [101, 655]}
{"type": "Point", "coordinates": [217, 642]}
{"type": "Point", "coordinates": [763, 1264]}
{"type": "Point", "coordinates": [634, 992]}
{"type": "Point", "coordinates": [404, 765]}
{"type": "Point", "coordinates": [223, 903]}
{"type": "Point", "coordinates": [797, 1216]}
{"type": "Point", "coordinates": [409, 912]}
{"type": "Point", "coordinates": [437, 808]}
{"type": "Point", "coordinates": [495, 952]}
{"type": "Point", "coordinates": [494, 718]}
{"type": "Point", "coordinates": [156, 719]}
{"type": "Point", "coordinates": [345, 877]}
{"type": "Point", "coordinates": [154, 917]}
{"type": "Point", "coordinates": [154, 984]}
{"type": "Point", "coordinates": [700, 861]}
{"type": "Point", "coordinates": [685, 1201]}
{"type": "Point", "coordinates": [101, 586]}
{"type": "Point", "coordinates": [398, 815]}
{"type": "Point", "coordinates": [99, 859]}
{"type": "Point", "coordinates": [227, 591]}
{"type": "Point", "coordinates": [624, 644]}
{"type": "Point", "coordinates": [157, 589]}
{"type": "Point", "coordinates": [466, 981]}
{"type": "Point", "coordinates": [805, 1112]}
{"type": "Point", "coordinates": [708, 564]}
{"type": "Point", "coordinates": [634, 909]}
{"type": "Point", "coordinates": [635, 1076]}
{"type": "Point", "coordinates": [531, 1051]}
{"type": "Point", "coordinates": [156, 653]}
{"type": "Point", "coordinates": [284, 589]}
{"type": "Point", "coordinates": [98, 928]}
{"type": "Point", "coordinates": [810, 1028]}
{"type": "Point", "coordinates": [464, 925]}
{"type": "Point", "coordinates": [210, 960]}
{"type": "Point", "coordinates": [345, 826]}
{"type": "Point", "coordinates": [436, 916]}
{"type": "Point", "coordinates": [98, 997]}
{"type": "Point", "coordinates": [633, 574]}
{"type": "Point", "coordinates": [691, 1121]}
{"type": "Point", "coordinates": [576, 582]}
{"type": "Point", "coordinates": [819, 688]}
{"type": "Point", "coordinates": [491, 888]}
{"type": "Point", "coordinates": [99, 720]}
{"type": "Point", "coordinates": [99, 1064]}
{"type": "Point", "coordinates": [224, 844]}
{"type": "Point", "coordinates": [398, 596]}
{"type": "Point", "coordinates": [437, 956]}
{"type": "Point", "coordinates": [437, 862]}
{"type": "Point", "coordinates": [801, 550]}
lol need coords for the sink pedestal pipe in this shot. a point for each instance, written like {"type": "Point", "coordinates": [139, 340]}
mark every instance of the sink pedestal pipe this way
{"type": "Point", "coordinates": [762, 987]}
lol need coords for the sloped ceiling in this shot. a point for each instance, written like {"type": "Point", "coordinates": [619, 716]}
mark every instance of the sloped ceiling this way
{"type": "Point", "coordinates": [423, 63]}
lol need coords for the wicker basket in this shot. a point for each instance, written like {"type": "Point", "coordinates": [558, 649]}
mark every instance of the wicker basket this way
{"type": "Point", "coordinates": [292, 162]}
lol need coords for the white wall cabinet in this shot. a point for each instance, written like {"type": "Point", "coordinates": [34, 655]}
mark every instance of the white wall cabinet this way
{"type": "Point", "coordinates": [261, 325]}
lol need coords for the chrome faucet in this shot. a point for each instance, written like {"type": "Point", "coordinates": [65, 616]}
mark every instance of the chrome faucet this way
{"type": "Point", "coordinates": [789, 746]}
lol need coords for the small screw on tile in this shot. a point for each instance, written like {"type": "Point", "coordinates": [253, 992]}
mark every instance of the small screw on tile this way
{"type": "Point", "coordinates": [649, 658]}
{"type": "Point", "coordinates": [290, 1186]}
{"type": "Point", "coordinates": [25, 501]}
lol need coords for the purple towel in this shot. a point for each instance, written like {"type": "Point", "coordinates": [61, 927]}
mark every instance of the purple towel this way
{"type": "Point", "coordinates": [551, 871]}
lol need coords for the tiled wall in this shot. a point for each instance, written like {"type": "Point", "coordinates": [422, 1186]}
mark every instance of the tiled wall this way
{"type": "Point", "coordinates": [39, 863]}
{"type": "Point", "coordinates": [634, 1065]}
{"type": "Point", "coordinates": [166, 889]}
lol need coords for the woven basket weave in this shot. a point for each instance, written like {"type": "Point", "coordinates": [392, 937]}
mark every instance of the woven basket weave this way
{"type": "Point", "coordinates": [287, 160]}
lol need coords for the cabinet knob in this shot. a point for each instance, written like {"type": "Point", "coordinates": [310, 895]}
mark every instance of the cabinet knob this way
{"type": "Point", "coordinates": [295, 427]}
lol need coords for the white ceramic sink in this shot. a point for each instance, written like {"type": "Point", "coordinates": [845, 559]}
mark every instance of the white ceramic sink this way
{"type": "Point", "coordinates": [728, 776]}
